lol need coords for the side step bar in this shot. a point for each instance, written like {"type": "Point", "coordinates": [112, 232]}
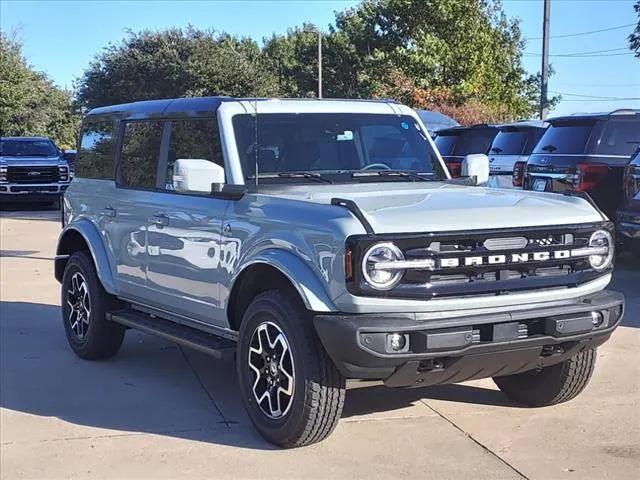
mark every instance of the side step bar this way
{"type": "Point", "coordinates": [218, 347]}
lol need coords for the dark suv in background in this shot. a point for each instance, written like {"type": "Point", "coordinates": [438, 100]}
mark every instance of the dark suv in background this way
{"type": "Point", "coordinates": [629, 214]}
{"type": "Point", "coordinates": [587, 153]}
{"type": "Point", "coordinates": [455, 143]}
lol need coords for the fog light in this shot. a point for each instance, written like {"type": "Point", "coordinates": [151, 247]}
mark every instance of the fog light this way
{"type": "Point", "coordinates": [396, 342]}
{"type": "Point", "coordinates": [596, 319]}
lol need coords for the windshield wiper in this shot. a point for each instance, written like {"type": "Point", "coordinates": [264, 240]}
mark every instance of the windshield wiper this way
{"type": "Point", "coordinates": [392, 173]}
{"type": "Point", "coordinates": [498, 150]}
{"type": "Point", "coordinates": [311, 176]}
{"type": "Point", "coordinates": [549, 148]}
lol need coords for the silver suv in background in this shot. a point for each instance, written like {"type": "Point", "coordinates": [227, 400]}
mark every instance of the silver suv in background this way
{"type": "Point", "coordinates": [32, 169]}
{"type": "Point", "coordinates": [510, 151]}
{"type": "Point", "coordinates": [318, 241]}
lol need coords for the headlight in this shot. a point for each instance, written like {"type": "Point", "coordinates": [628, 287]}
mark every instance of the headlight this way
{"type": "Point", "coordinates": [603, 241]}
{"type": "Point", "coordinates": [377, 266]}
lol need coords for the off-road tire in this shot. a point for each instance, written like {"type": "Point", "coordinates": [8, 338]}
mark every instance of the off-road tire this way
{"type": "Point", "coordinates": [103, 338]}
{"type": "Point", "coordinates": [550, 385]}
{"type": "Point", "coordinates": [319, 392]}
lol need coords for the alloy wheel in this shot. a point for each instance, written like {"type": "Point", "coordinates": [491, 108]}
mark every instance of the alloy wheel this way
{"type": "Point", "coordinates": [272, 370]}
{"type": "Point", "coordinates": [79, 305]}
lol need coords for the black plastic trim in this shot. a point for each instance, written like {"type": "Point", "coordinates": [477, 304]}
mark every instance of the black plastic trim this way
{"type": "Point", "coordinates": [353, 208]}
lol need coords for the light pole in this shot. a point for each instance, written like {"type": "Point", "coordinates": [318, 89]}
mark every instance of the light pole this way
{"type": "Point", "coordinates": [544, 102]}
{"type": "Point", "coordinates": [319, 64]}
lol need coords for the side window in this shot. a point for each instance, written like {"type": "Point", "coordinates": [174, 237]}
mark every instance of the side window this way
{"type": "Point", "coordinates": [140, 152]}
{"type": "Point", "coordinates": [196, 139]}
{"type": "Point", "coordinates": [97, 148]}
{"type": "Point", "coordinates": [620, 138]}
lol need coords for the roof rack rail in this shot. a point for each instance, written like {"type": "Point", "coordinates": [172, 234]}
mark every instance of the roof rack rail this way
{"type": "Point", "coordinates": [625, 111]}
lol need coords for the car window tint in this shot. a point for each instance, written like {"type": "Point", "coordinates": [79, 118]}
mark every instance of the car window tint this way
{"type": "Point", "coordinates": [140, 152]}
{"type": "Point", "coordinates": [446, 144]}
{"type": "Point", "coordinates": [332, 143]}
{"type": "Point", "coordinates": [565, 138]}
{"type": "Point", "coordinates": [97, 147]}
{"type": "Point", "coordinates": [28, 148]}
{"type": "Point", "coordinates": [193, 138]}
{"type": "Point", "coordinates": [509, 142]}
{"type": "Point", "coordinates": [475, 141]}
{"type": "Point", "coordinates": [620, 138]}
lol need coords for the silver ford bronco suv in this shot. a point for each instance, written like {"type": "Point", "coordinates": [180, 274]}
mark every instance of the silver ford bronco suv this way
{"type": "Point", "coordinates": [320, 240]}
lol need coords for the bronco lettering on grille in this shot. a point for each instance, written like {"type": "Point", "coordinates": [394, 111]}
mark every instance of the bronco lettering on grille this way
{"type": "Point", "coordinates": [504, 259]}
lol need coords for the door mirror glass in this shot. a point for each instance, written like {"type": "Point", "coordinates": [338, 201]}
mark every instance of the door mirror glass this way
{"type": "Point", "coordinates": [196, 175]}
{"type": "Point", "coordinates": [476, 166]}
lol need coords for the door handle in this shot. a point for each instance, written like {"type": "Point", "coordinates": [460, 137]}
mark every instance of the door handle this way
{"type": "Point", "coordinates": [160, 220]}
{"type": "Point", "coordinates": [109, 211]}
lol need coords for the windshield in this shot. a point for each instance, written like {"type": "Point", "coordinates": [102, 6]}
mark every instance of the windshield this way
{"type": "Point", "coordinates": [28, 148]}
{"type": "Point", "coordinates": [329, 144]}
{"type": "Point", "coordinates": [465, 142]}
{"type": "Point", "coordinates": [565, 138]}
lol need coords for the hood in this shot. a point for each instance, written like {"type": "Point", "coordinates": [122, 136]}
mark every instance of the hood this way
{"type": "Point", "coordinates": [31, 161]}
{"type": "Point", "coordinates": [437, 207]}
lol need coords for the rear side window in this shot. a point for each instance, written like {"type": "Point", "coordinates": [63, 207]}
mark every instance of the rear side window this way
{"type": "Point", "coordinates": [565, 138]}
{"type": "Point", "coordinates": [97, 148]}
{"type": "Point", "coordinates": [193, 138]}
{"type": "Point", "coordinates": [509, 142]}
{"type": "Point", "coordinates": [446, 144]}
{"type": "Point", "coordinates": [620, 138]}
{"type": "Point", "coordinates": [140, 153]}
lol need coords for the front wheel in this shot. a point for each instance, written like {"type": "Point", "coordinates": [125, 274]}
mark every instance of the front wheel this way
{"type": "Point", "coordinates": [550, 385]}
{"type": "Point", "coordinates": [85, 304]}
{"type": "Point", "coordinates": [292, 391]}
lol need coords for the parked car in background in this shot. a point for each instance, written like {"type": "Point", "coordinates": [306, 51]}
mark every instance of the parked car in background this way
{"type": "Point", "coordinates": [323, 240]}
{"type": "Point", "coordinates": [32, 169]}
{"type": "Point", "coordinates": [435, 121]}
{"type": "Point", "coordinates": [629, 214]}
{"type": "Point", "coordinates": [455, 143]}
{"type": "Point", "coordinates": [587, 153]}
{"type": "Point", "coordinates": [510, 151]}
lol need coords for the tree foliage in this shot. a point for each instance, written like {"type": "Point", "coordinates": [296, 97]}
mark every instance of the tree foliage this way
{"type": "Point", "coordinates": [30, 104]}
{"type": "Point", "coordinates": [462, 57]}
{"type": "Point", "coordinates": [634, 38]}
{"type": "Point", "coordinates": [175, 63]}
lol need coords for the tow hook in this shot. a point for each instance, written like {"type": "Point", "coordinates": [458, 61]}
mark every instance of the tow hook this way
{"type": "Point", "coordinates": [551, 351]}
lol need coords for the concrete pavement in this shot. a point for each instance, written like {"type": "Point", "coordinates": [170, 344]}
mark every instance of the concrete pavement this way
{"type": "Point", "coordinates": [160, 411]}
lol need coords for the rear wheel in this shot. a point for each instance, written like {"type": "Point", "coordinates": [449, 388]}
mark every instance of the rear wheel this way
{"type": "Point", "coordinates": [550, 385]}
{"type": "Point", "coordinates": [84, 307]}
{"type": "Point", "coordinates": [292, 391]}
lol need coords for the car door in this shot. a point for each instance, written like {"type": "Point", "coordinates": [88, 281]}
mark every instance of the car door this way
{"type": "Point", "coordinates": [184, 254]}
{"type": "Point", "coordinates": [134, 204]}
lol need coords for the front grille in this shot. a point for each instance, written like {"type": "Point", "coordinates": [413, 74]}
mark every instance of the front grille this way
{"type": "Point", "coordinates": [33, 175]}
{"type": "Point", "coordinates": [483, 262]}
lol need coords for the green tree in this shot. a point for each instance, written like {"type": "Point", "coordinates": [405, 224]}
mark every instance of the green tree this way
{"type": "Point", "coordinates": [634, 38]}
{"type": "Point", "coordinates": [467, 47]}
{"type": "Point", "coordinates": [30, 104]}
{"type": "Point", "coordinates": [175, 63]}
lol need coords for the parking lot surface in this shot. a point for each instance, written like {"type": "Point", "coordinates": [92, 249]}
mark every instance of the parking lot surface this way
{"type": "Point", "coordinates": [160, 411]}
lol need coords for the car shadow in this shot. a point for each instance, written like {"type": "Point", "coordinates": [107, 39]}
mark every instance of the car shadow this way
{"type": "Point", "coordinates": [30, 211]}
{"type": "Point", "coordinates": [28, 254]}
{"type": "Point", "coordinates": [152, 386]}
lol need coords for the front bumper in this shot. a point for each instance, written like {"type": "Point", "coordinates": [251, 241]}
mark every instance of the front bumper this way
{"type": "Point", "coordinates": [31, 193]}
{"type": "Point", "coordinates": [452, 350]}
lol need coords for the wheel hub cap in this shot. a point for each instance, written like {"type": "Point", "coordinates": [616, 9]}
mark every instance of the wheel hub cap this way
{"type": "Point", "coordinates": [271, 369]}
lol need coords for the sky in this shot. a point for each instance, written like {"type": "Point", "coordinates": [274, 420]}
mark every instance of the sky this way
{"type": "Point", "coordinates": [61, 37]}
